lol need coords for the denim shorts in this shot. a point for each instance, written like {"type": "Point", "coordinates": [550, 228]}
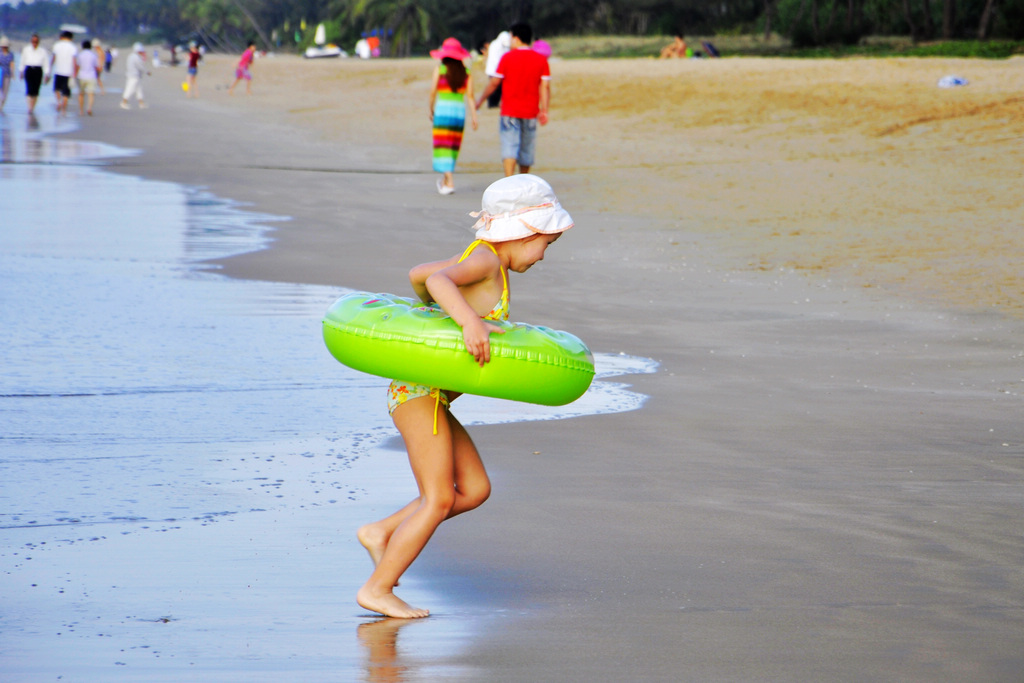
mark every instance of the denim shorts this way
{"type": "Point", "coordinates": [518, 138]}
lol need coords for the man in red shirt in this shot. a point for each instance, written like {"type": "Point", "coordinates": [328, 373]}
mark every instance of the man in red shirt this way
{"type": "Point", "coordinates": [525, 80]}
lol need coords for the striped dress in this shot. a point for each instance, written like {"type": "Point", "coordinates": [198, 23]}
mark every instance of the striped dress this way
{"type": "Point", "coordinates": [449, 121]}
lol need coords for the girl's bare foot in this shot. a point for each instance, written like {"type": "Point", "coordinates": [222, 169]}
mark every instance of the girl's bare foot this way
{"type": "Point", "coordinates": [388, 604]}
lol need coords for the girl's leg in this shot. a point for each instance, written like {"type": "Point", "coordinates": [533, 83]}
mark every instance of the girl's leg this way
{"type": "Point", "coordinates": [451, 480]}
{"type": "Point", "coordinates": [430, 456]}
{"type": "Point", "coordinates": [472, 488]}
{"type": "Point", "coordinates": [472, 485]}
{"type": "Point", "coordinates": [449, 179]}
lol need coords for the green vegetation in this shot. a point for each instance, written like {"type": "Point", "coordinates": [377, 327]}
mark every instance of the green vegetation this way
{"type": "Point", "coordinates": [576, 47]}
{"type": "Point", "coordinates": [576, 28]}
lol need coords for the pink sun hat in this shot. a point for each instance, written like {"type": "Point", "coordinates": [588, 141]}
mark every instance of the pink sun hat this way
{"type": "Point", "coordinates": [451, 47]}
{"type": "Point", "coordinates": [542, 47]}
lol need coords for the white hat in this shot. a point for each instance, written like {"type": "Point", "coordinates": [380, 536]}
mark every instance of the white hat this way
{"type": "Point", "coordinates": [4, 42]}
{"type": "Point", "coordinates": [138, 47]}
{"type": "Point", "coordinates": [519, 206]}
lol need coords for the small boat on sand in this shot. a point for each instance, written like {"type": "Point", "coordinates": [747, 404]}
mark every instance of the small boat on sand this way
{"type": "Point", "coordinates": [322, 48]}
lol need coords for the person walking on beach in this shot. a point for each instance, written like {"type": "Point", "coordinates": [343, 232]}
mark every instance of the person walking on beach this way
{"type": "Point", "coordinates": [6, 69]}
{"type": "Point", "coordinates": [135, 69]}
{"type": "Point", "coordinates": [101, 57]}
{"type": "Point", "coordinates": [525, 80]}
{"type": "Point", "coordinates": [496, 49]}
{"type": "Point", "coordinates": [87, 76]}
{"type": "Point", "coordinates": [62, 68]}
{"type": "Point", "coordinates": [35, 68]}
{"type": "Point", "coordinates": [448, 106]}
{"type": "Point", "coordinates": [520, 218]}
{"type": "Point", "coordinates": [242, 70]}
{"type": "Point", "coordinates": [87, 70]}
{"type": "Point", "coordinates": [194, 57]}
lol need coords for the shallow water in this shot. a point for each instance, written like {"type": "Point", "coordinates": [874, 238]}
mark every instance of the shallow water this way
{"type": "Point", "coordinates": [182, 461]}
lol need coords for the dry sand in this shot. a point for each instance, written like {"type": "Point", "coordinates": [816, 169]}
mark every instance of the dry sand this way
{"type": "Point", "coordinates": [858, 168]}
{"type": "Point", "coordinates": [824, 256]}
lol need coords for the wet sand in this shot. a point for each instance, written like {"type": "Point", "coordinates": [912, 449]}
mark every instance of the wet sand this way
{"type": "Point", "coordinates": [826, 483]}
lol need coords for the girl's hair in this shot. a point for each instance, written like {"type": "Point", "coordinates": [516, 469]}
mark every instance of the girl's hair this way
{"type": "Point", "coordinates": [456, 73]}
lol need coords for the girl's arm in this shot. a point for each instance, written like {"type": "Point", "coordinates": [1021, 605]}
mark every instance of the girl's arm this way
{"type": "Point", "coordinates": [470, 102]}
{"type": "Point", "coordinates": [418, 277]}
{"type": "Point", "coordinates": [433, 90]}
{"type": "Point", "coordinates": [492, 85]}
{"type": "Point", "coordinates": [444, 286]}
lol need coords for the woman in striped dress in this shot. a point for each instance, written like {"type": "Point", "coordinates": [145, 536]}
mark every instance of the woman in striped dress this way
{"type": "Point", "coordinates": [448, 106]}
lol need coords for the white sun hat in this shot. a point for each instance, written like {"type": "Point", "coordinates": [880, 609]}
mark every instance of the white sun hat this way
{"type": "Point", "coordinates": [519, 206]}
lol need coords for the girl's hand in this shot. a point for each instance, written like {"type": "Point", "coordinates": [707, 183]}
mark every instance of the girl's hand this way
{"type": "Point", "coordinates": [477, 338]}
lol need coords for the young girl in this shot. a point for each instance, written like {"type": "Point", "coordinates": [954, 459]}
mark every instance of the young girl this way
{"type": "Point", "coordinates": [242, 70]}
{"type": "Point", "coordinates": [448, 107]}
{"type": "Point", "coordinates": [194, 57]}
{"type": "Point", "coordinates": [520, 217]}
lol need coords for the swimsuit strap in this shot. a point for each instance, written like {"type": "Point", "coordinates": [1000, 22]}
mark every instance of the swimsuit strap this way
{"type": "Point", "coordinates": [474, 245]}
{"type": "Point", "coordinates": [436, 393]}
{"type": "Point", "coordinates": [504, 275]}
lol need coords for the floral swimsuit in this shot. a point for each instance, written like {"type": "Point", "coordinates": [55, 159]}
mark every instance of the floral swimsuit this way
{"type": "Point", "coordinates": [401, 391]}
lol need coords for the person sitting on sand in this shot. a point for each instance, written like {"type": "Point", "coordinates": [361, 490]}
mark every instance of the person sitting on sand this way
{"type": "Point", "coordinates": [520, 218]}
{"type": "Point", "coordinates": [677, 48]}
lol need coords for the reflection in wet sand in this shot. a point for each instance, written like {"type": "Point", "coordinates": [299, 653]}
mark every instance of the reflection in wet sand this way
{"type": "Point", "coordinates": [379, 641]}
{"type": "Point", "coordinates": [24, 140]}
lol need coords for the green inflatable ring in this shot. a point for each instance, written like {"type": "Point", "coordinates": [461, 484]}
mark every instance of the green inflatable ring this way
{"type": "Point", "coordinates": [401, 338]}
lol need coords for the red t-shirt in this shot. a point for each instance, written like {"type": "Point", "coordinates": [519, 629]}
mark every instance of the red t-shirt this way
{"type": "Point", "coordinates": [521, 72]}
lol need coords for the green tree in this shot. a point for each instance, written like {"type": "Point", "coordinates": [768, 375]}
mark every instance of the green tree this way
{"type": "Point", "coordinates": [405, 22]}
{"type": "Point", "coordinates": [413, 25]}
